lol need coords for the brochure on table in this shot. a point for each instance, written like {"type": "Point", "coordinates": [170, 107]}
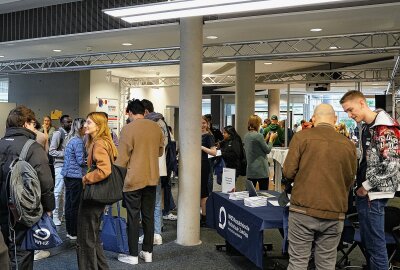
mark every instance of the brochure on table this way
{"type": "Point", "coordinates": [228, 180]}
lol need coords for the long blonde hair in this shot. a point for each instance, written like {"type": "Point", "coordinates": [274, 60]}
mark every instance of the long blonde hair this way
{"type": "Point", "coordinates": [100, 119]}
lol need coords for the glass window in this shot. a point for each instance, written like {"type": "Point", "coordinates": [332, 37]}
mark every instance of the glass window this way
{"type": "Point", "coordinates": [4, 89]}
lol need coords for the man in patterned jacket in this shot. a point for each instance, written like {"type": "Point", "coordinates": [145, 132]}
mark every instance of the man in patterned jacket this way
{"type": "Point", "coordinates": [378, 174]}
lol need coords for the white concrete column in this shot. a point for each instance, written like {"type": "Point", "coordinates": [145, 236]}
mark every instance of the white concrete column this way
{"type": "Point", "coordinates": [245, 95]}
{"type": "Point", "coordinates": [274, 98]}
{"type": "Point", "coordinates": [190, 94]}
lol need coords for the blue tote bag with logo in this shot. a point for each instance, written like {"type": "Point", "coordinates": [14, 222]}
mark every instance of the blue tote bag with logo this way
{"type": "Point", "coordinates": [42, 235]}
{"type": "Point", "coordinates": [113, 234]}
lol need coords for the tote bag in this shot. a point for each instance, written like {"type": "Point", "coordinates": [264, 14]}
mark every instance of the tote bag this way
{"type": "Point", "coordinates": [113, 234]}
{"type": "Point", "coordinates": [42, 235]}
{"type": "Point", "coordinates": [109, 190]}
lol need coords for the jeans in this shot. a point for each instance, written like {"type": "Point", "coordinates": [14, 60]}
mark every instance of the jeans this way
{"type": "Point", "coordinates": [371, 215]}
{"type": "Point", "coordinates": [59, 193]}
{"type": "Point", "coordinates": [158, 211]}
{"type": "Point", "coordinates": [141, 200]}
{"type": "Point", "coordinates": [73, 189]}
{"type": "Point", "coordinates": [304, 231]}
{"type": "Point", "coordinates": [88, 245]}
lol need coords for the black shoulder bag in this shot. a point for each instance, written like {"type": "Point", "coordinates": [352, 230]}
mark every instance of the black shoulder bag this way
{"type": "Point", "coordinates": [109, 190]}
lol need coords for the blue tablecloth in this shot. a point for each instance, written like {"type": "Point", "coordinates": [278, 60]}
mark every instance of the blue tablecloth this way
{"type": "Point", "coordinates": [243, 226]}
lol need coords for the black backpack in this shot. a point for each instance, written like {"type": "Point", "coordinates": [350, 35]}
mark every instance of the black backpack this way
{"type": "Point", "coordinates": [170, 153]}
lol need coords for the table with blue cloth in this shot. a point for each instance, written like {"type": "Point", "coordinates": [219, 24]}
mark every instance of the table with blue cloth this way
{"type": "Point", "coordinates": [242, 226]}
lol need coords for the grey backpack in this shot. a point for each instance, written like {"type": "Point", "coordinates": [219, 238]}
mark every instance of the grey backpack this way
{"type": "Point", "coordinates": [25, 194]}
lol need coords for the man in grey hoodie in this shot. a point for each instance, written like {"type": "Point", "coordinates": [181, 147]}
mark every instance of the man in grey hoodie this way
{"type": "Point", "coordinates": [158, 118]}
{"type": "Point", "coordinates": [378, 174]}
{"type": "Point", "coordinates": [56, 150]}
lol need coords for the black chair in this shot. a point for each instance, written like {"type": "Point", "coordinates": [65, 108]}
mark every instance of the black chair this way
{"type": "Point", "coordinates": [396, 235]}
{"type": "Point", "coordinates": [392, 220]}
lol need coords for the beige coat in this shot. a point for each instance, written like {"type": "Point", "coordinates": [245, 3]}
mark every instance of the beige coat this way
{"type": "Point", "coordinates": [141, 143]}
{"type": "Point", "coordinates": [99, 153]}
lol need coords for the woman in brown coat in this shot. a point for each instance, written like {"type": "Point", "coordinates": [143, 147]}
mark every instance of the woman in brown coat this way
{"type": "Point", "coordinates": [101, 152]}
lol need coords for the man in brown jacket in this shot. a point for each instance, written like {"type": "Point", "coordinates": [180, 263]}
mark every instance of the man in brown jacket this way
{"type": "Point", "coordinates": [322, 163]}
{"type": "Point", "coordinates": [141, 143]}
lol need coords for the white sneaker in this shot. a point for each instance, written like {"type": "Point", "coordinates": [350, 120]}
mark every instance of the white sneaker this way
{"type": "Point", "coordinates": [128, 259]}
{"type": "Point", "coordinates": [41, 254]}
{"type": "Point", "coordinates": [170, 216]}
{"type": "Point", "coordinates": [146, 256]}
{"type": "Point", "coordinates": [157, 239]}
{"type": "Point", "coordinates": [71, 237]}
{"type": "Point", "coordinates": [56, 221]}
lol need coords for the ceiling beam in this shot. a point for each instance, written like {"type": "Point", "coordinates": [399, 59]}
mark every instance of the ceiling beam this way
{"type": "Point", "coordinates": [321, 76]}
{"type": "Point", "coordinates": [349, 44]}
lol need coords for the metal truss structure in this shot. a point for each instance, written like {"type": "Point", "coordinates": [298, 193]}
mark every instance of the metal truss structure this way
{"type": "Point", "coordinates": [349, 44]}
{"type": "Point", "coordinates": [322, 76]}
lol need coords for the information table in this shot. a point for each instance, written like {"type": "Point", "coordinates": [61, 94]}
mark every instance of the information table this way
{"type": "Point", "coordinates": [243, 226]}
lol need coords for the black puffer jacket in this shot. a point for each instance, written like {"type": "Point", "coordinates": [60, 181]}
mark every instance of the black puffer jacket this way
{"type": "Point", "coordinates": [10, 148]}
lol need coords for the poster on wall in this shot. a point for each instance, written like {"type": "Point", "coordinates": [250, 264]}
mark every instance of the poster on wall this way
{"type": "Point", "coordinates": [109, 106]}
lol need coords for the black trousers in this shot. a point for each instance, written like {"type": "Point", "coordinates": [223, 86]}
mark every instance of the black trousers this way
{"type": "Point", "coordinates": [88, 245]}
{"type": "Point", "coordinates": [73, 190]}
{"type": "Point", "coordinates": [24, 258]}
{"type": "Point", "coordinates": [140, 201]}
{"type": "Point", "coordinates": [262, 182]}
{"type": "Point", "coordinates": [169, 203]}
{"type": "Point", "coordinates": [4, 260]}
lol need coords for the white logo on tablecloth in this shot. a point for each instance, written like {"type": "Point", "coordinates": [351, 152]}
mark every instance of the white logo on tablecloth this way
{"type": "Point", "coordinates": [222, 212]}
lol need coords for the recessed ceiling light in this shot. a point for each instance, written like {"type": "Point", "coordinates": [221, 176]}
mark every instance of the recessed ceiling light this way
{"type": "Point", "coordinates": [127, 44]}
{"type": "Point", "coordinates": [1, 56]}
{"type": "Point", "coordinates": [333, 47]}
{"type": "Point", "coordinates": [211, 37]}
{"type": "Point", "coordinates": [57, 50]}
{"type": "Point", "coordinates": [316, 29]}
{"type": "Point", "coordinates": [267, 63]}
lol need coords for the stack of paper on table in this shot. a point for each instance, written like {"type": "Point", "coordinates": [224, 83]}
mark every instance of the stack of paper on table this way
{"type": "Point", "coordinates": [237, 196]}
{"type": "Point", "coordinates": [255, 201]}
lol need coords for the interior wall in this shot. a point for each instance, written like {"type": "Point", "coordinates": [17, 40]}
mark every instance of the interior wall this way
{"type": "Point", "coordinates": [160, 97]}
{"type": "Point", "coordinates": [101, 87]}
{"type": "Point", "coordinates": [5, 109]}
{"type": "Point", "coordinates": [46, 92]}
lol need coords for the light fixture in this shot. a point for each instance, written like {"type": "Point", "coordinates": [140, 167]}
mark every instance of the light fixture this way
{"type": "Point", "coordinates": [316, 29]}
{"type": "Point", "coordinates": [127, 44]}
{"type": "Point", "coordinates": [268, 63]}
{"type": "Point", "coordinates": [333, 47]}
{"type": "Point", "coordinates": [1, 56]}
{"type": "Point", "coordinates": [192, 8]}
{"type": "Point", "coordinates": [57, 50]}
{"type": "Point", "coordinates": [211, 37]}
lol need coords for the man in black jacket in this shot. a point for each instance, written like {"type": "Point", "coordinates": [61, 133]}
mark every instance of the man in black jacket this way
{"type": "Point", "coordinates": [19, 128]}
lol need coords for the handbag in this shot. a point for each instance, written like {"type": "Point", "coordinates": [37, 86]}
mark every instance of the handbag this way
{"type": "Point", "coordinates": [109, 190]}
{"type": "Point", "coordinates": [42, 235]}
{"type": "Point", "coordinates": [113, 234]}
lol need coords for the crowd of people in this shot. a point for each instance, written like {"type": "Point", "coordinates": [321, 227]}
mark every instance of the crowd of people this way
{"type": "Point", "coordinates": [320, 168]}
